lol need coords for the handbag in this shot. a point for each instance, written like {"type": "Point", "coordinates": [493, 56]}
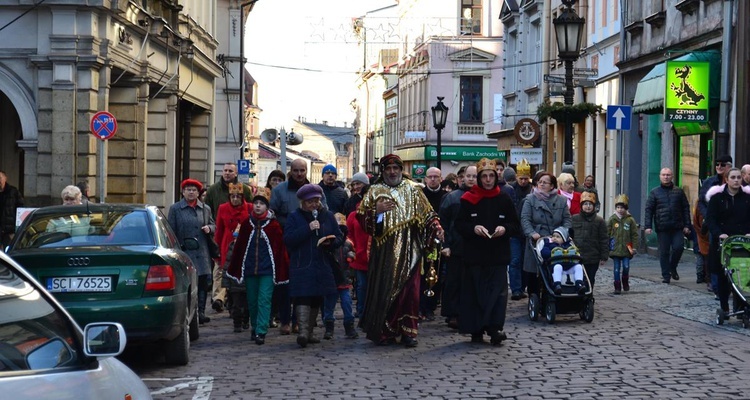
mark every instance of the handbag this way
{"type": "Point", "coordinates": [213, 248]}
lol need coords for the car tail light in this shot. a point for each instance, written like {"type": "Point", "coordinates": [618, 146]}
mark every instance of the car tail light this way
{"type": "Point", "coordinates": [160, 277]}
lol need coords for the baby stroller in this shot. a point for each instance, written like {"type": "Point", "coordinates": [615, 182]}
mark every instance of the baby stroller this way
{"type": "Point", "coordinates": [568, 302]}
{"type": "Point", "coordinates": [735, 257]}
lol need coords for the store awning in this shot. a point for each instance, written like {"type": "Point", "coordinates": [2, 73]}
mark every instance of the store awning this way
{"type": "Point", "coordinates": [649, 95]}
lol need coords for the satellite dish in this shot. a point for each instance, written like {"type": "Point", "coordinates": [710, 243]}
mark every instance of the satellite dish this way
{"type": "Point", "coordinates": [269, 135]}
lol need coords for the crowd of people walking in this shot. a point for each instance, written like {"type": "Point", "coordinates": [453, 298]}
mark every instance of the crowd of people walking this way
{"type": "Point", "coordinates": [295, 249]}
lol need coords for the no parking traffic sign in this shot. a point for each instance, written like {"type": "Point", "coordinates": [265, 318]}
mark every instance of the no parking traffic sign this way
{"type": "Point", "coordinates": [103, 125]}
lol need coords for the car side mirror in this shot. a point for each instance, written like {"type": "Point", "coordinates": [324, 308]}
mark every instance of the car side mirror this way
{"type": "Point", "coordinates": [190, 244]}
{"type": "Point", "coordinates": [104, 339]}
{"type": "Point", "coordinates": [51, 354]}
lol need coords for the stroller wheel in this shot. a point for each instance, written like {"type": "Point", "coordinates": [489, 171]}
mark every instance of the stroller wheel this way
{"type": "Point", "coordinates": [721, 315]}
{"type": "Point", "coordinates": [534, 307]}
{"type": "Point", "coordinates": [587, 314]}
{"type": "Point", "coordinates": [550, 311]}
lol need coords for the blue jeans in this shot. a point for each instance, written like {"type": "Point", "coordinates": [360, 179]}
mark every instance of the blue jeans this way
{"type": "Point", "coordinates": [514, 269]}
{"type": "Point", "coordinates": [671, 245]}
{"type": "Point", "coordinates": [361, 290]}
{"type": "Point", "coordinates": [621, 262]}
{"type": "Point", "coordinates": [329, 303]}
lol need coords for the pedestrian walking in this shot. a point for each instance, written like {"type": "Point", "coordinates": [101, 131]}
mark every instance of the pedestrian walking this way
{"type": "Point", "coordinates": [191, 218]}
{"type": "Point", "coordinates": [342, 275]}
{"type": "Point", "coordinates": [361, 242]}
{"type": "Point", "coordinates": [260, 262]}
{"type": "Point", "coordinates": [10, 200]}
{"type": "Point", "coordinates": [310, 235]}
{"type": "Point", "coordinates": [404, 228]}
{"type": "Point", "coordinates": [591, 237]}
{"type": "Point", "coordinates": [623, 242]}
{"type": "Point", "coordinates": [567, 189]}
{"type": "Point", "coordinates": [487, 220]}
{"type": "Point", "coordinates": [434, 193]}
{"type": "Point", "coordinates": [453, 248]}
{"type": "Point", "coordinates": [728, 214]}
{"type": "Point", "coordinates": [668, 212]}
{"type": "Point", "coordinates": [543, 211]}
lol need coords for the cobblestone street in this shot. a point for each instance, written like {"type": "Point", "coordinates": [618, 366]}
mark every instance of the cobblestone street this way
{"type": "Point", "coordinates": [657, 341]}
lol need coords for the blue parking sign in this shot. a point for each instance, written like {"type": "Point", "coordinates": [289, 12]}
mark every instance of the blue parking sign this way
{"type": "Point", "coordinates": [243, 167]}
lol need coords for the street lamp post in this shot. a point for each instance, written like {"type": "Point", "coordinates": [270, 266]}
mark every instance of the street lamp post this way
{"type": "Point", "coordinates": [439, 115]}
{"type": "Point", "coordinates": [569, 31]}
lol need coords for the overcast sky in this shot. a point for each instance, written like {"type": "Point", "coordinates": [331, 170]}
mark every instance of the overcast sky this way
{"type": "Point", "coordinates": [304, 57]}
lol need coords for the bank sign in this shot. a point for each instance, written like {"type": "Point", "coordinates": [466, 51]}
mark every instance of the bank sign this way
{"type": "Point", "coordinates": [686, 97]}
{"type": "Point", "coordinates": [458, 153]}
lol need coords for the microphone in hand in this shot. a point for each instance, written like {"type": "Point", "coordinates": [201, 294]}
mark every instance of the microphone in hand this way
{"type": "Point", "coordinates": [315, 217]}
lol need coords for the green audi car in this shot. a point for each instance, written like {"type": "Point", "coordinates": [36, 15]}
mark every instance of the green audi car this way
{"type": "Point", "coordinates": [117, 263]}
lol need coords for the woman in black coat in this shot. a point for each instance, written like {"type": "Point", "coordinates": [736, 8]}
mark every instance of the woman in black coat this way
{"type": "Point", "coordinates": [728, 214]}
{"type": "Point", "coordinates": [486, 220]}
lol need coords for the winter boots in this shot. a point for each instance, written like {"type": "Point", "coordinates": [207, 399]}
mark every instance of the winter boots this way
{"type": "Point", "coordinates": [617, 287]}
{"type": "Point", "coordinates": [306, 318]}
{"type": "Point", "coordinates": [625, 283]}
{"type": "Point", "coordinates": [351, 332]}
{"type": "Point", "coordinates": [329, 330]}
{"type": "Point", "coordinates": [580, 288]}
{"type": "Point", "coordinates": [557, 287]}
{"type": "Point", "coordinates": [202, 318]}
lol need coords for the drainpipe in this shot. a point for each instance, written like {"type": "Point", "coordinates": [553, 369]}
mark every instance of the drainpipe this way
{"type": "Point", "coordinates": [722, 139]}
{"type": "Point", "coordinates": [620, 153]}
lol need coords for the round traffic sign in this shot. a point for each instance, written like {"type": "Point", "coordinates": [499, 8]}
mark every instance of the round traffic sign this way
{"type": "Point", "coordinates": [103, 125]}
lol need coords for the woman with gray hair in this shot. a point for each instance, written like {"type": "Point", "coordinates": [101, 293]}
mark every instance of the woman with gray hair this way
{"type": "Point", "coordinates": [71, 195]}
{"type": "Point", "coordinates": [567, 184]}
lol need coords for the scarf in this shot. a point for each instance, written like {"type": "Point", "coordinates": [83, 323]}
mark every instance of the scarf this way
{"type": "Point", "coordinates": [193, 203]}
{"type": "Point", "coordinates": [568, 196]}
{"type": "Point", "coordinates": [544, 196]}
{"type": "Point", "coordinates": [257, 217]}
{"type": "Point", "coordinates": [477, 193]}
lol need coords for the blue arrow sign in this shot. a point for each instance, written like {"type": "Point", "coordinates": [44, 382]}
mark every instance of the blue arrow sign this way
{"type": "Point", "coordinates": [619, 117]}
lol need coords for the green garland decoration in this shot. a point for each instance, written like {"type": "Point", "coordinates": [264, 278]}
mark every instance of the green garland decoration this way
{"type": "Point", "coordinates": [577, 112]}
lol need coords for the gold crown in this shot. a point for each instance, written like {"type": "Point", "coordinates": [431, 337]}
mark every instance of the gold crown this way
{"type": "Point", "coordinates": [235, 188]}
{"type": "Point", "coordinates": [486, 164]}
{"type": "Point", "coordinates": [588, 196]}
{"type": "Point", "coordinates": [622, 199]}
{"type": "Point", "coordinates": [523, 168]}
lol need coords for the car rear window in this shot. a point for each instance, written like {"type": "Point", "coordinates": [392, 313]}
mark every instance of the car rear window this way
{"type": "Point", "coordinates": [106, 228]}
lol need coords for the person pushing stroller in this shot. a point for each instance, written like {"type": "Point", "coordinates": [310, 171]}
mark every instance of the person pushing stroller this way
{"type": "Point", "coordinates": [563, 256]}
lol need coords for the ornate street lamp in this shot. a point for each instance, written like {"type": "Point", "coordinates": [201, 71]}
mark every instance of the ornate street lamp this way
{"type": "Point", "coordinates": [569, 31]}
{"type": "Point", "coordinates": [439, 115]}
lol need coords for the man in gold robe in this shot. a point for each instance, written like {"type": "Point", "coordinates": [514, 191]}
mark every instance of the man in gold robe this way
{"type": "Point", "coordinates": [404, 227]}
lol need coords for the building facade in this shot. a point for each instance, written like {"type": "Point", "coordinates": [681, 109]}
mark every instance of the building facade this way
{"type": "Point", "coordinates": [148, 63]}
{"type": "Point", "coordinates": [455, 53]}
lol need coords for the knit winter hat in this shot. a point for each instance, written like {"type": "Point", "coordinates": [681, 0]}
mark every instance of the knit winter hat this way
{"type": "Point", "coordinates": [509, 174]}
{"type": "Point", "coordinates": [361, 177]}
{"type": "Point", "coordinates": [563, 231]}
{"type": "Point", "coordinates": [329, 168]}
{"type": "Point", "coordinates": [309, 191]}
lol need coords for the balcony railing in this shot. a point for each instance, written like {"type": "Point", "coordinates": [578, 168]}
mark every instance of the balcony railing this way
{"type": "Point", "coordinates": [473, 129]}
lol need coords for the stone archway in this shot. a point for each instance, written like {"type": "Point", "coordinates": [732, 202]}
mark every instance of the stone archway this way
{"type": "Point", "coordinates": [18, 129]}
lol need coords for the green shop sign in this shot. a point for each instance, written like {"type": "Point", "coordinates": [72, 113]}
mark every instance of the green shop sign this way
{"type": "Point", "coordinates": [418, 170]}
{"type": "Point", "coordinates": [459, 153]}
{"type": "Point", "coordinates": [686, 97]}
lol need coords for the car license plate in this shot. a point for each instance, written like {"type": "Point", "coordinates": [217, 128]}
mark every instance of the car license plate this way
{"type": "Point", "coordinates": [79, 284]}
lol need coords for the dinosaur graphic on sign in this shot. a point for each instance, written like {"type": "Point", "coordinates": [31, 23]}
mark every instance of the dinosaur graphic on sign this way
{"type": "Point", "coordinates": [685, 91]}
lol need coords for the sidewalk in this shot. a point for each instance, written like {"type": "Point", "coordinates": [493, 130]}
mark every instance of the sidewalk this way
{"type": "Point", "coordinates": [683, 298]}
{"type": "Point", "coordinates": [646, 266]}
